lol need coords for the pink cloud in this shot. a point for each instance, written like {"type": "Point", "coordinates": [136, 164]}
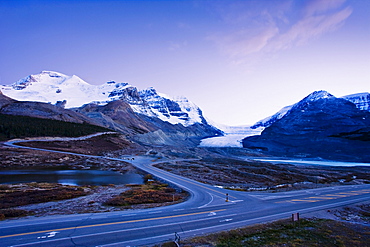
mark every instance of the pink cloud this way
{"type": "Point", "coordinates": [309, 28]}
{"type": "Point", "coordinates": [275, 29]}
{"type": "Point", "coordinates": [239, 44]}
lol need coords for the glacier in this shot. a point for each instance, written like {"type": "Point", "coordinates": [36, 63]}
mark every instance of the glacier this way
{"type": "Point", "coordinates": [233, 136]}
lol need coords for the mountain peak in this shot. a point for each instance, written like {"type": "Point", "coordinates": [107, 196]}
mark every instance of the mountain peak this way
{"type": "Point", "coordinates": [49, 77]}
{"type": "Point", "coordinates": [52, 73]}
{"type": "Point", "coordinates": [318, 95]}
{"type": "Point", "coordinates": [314, 96]}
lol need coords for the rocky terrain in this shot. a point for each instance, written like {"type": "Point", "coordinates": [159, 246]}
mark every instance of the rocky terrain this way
{"type": "Point", "coordinates": [251, 175]}
{"type": "Point", "coordinates": [119, 116]}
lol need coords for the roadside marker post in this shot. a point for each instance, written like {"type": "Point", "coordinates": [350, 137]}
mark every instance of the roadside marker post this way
{"type": "Point", "coordinates": [295, 217]}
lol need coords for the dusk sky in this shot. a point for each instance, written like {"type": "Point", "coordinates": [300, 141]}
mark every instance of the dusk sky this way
{"type": "Point", "coordinates": [239, 61]}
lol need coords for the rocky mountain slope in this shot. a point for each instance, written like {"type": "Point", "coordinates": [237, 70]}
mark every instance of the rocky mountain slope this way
{"type": "Point", "coordinates": [143, 116]}
{"type": "Point", "coordinates": [118, 115]}
{"type": "Point", "coordinates": [361, 100]}
{"type": "Point", "coordinates": [320, 125]}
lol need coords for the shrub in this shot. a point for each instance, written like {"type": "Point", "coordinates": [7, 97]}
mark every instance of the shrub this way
{"type": "Point", "coordinates": [10, 213]}
{"type": "Point", "coordinates": [19, 198]}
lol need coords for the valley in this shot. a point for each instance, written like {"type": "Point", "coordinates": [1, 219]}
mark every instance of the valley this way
{"type": "Point", "coordinates": [222, 167]}
{"type": "Point", "coordinates": [205, 200]}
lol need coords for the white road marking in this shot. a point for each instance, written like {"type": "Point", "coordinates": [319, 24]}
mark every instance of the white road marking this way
{"type": "Point", "coordinates": [226, 220]}
{"type": "Point", "coordinates": [48, 235]}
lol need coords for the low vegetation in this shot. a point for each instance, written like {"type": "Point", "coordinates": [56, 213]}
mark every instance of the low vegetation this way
{"type": "Point", "coordinates": [150, 192]}
{"type": "Point", "coordinates": [308, 232]}
{"type": "Point", "coordinates": [13, 195]}
{"type": "Point", "coordinates": [11, 213]}
{"type": "Point", "coordinates": [23, 126]}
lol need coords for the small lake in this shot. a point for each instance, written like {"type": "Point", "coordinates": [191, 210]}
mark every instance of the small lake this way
{"type": "Point", "coordinates": [69, 177]}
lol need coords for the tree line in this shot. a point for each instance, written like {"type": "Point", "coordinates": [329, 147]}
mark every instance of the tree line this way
{"type": "Point", "coordinates": [12, 126]}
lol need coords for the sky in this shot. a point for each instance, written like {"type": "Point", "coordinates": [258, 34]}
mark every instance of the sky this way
{"type": "Point", "coordinates": [239, 61]}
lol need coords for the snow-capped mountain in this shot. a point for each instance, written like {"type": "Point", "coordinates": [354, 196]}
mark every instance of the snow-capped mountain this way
{"type": "Point", "coordinates": [320, 125]}
{"type": "Point", "coordinates": [54, 87]}
{"type": "Point", "coordinates": [361, 100]}
{"type": "Point", "coordinates": [270, 120]}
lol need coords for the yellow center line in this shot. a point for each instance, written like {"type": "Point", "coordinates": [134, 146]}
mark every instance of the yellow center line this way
{"type": "Point", "coordinates": [197, 184]}
{"type": "Point", "coordinates": [108, 224]}
{"type": "Point", "coordinates": [324, 197]}
{"type": "Point", "coordinates": [336, 195]}
{"type": "Point", "coordinates": [303, 200]}
{"type": "Point", "coordinates": [350, 193]}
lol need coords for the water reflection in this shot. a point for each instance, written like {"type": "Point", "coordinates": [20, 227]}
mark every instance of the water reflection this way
{"type": "Point", "coordinates": [70, 177]}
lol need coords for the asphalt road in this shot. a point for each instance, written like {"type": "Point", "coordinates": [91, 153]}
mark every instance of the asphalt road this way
{"type": "Point", "coordinates": [206, 211]}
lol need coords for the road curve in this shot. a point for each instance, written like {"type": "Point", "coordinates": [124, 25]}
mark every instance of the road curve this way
{"type": "Point", "coordinates": [207, 210]}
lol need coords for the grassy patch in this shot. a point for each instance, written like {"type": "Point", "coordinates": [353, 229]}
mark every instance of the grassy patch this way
{"type": "Point", "coordinates": [150, 192]}
{"type": "Point", "coordinates": [310, 232]}
{"type": "Point", "coordinates": [37, 193]}
{"type": "Point", "coordinates": [11, 213]}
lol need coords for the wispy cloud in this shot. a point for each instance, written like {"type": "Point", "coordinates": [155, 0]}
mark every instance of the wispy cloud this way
{"type": "Point", "coordinates": [262, 28]}
{"type": "Point", "coordinates": [309, 28]}
{"type": "Point", "coordinates": [173, 46]}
